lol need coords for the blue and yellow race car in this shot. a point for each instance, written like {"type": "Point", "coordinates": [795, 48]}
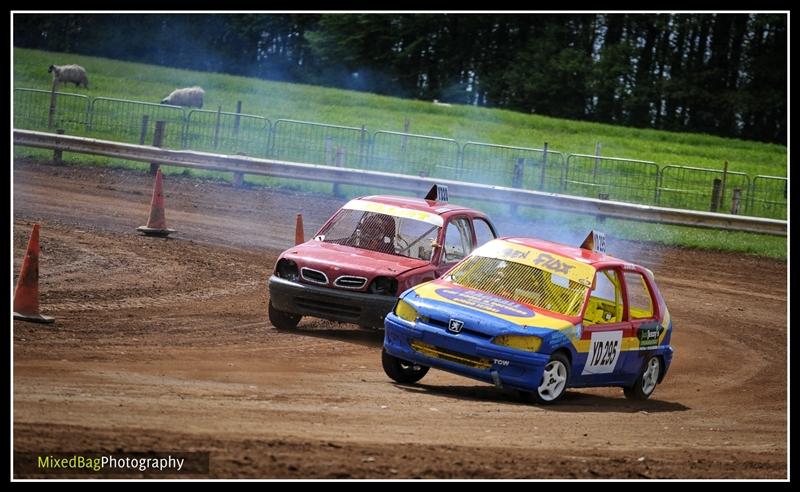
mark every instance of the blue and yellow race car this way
{"type": "Point", "coordinates": [535, 316]}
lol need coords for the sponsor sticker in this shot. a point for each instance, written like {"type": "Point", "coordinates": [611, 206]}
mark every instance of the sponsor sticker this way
{"type": "Point", "coordinates": [486, 302]}
{"type": "Point", "coordinates": [603, 352]}
{"type": "Point", "coordinates": [648, 336]}
{"type": "Point", "coordinates": [570, 268]}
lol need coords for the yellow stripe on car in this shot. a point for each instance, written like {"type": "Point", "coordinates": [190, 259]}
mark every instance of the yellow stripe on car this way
{"type": "Point", "coordinates": [382, 208]}
{"type": "Point", "coordinates": [574, 270]}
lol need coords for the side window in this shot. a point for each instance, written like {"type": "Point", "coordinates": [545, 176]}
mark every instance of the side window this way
{"type": "Point", "coordinates": [605, 301]}
{"type": "Point", "coordinates": [457, 240]}
{"type": "Point", "coordinates": [640, 301]}
{"type": "Point", "coordinates": [483, 232]}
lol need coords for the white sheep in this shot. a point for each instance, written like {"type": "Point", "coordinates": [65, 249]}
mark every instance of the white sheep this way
{"type": "Point", "coordinates": [63, 74]}
{"type": "Point", "coordinates": [190, 96]}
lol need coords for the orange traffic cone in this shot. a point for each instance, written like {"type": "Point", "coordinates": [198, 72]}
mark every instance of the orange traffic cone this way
{"type": "Point", "coordinates": [26, 295]}
{"type": "Point", "coordinates": [157, 223]}
{"type": "Point", "coordinates": [298, 230]}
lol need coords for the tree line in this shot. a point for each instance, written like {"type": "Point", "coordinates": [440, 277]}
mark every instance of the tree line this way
{"type": "Point", "coordinates": [722, 74]}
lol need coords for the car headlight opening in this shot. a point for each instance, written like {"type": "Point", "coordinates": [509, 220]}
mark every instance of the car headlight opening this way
{"type": "Point", "coordinates": [287, 269]}
{"type": "Point", "coordinates": [385, 286]}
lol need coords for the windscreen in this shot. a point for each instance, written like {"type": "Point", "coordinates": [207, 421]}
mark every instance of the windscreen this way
{"type": "Point", "coordinates": [383, 233]}
{"type": "Point", "coordinates": [521, 283]}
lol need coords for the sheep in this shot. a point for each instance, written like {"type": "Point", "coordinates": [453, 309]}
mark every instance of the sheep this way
{"type": "Point", "coordinates": [69, 73]}
{"type": "Point", "coordinates": [190, 96]}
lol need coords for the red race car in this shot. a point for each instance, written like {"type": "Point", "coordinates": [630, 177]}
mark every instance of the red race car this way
{"type": "Point", "coordinates": [373, 248]}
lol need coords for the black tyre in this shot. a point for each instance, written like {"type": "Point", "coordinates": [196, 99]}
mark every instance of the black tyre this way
{"type": "Point", "coordinates": [283, 320]}
{"type": "Point", "coordinates": [402, 371]}
{"type": "Point", "coordinates": [646, 382]}
{"type": "Point", "coordinates": [553, 385]}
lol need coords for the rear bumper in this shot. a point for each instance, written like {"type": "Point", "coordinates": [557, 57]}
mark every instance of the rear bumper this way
{"type": "Point", "coordinates": [327, 303]}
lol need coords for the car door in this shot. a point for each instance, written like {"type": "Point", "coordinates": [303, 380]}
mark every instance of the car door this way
{"type": "Point", "coordinates": [484, 231]}
{"type": "Point", "coordinates": [456, 244]}
{"type": "Point", "coordinates": [643, 316]}
{"type": "Point", "coordinates": [605, 327]}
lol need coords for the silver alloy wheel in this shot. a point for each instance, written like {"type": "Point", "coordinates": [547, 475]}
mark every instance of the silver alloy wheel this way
{"type": "Point", "coordinates": [554, 379]}
{"type": "Point", "coordinates": [650, 376]}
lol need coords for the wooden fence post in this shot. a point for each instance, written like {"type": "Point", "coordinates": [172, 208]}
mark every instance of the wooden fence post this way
{"type": "Point", "coordinates": [406, 126]}
{"type": "Point", "coordinates": [600, 219]}
{"type": "Point", "coordinates": [57, 152]}
{"type": "Point", "coordinates": [362, 146]}
{"type": "Point", "coordinates": [51, 114]}
{"type": "Point", "coordinates": [544, 168]}
{"type": "Point", "coordinates": [516, 179]}
{"type": "Point", "coordinates": [737, 196]}
{"type": "Point", "coordinates": [716, 187]}
{"type": "Point", "coordinates": [338, 163]}
{"type": "Point", "coordinates": [597, 149]}
{"type": "Point", "coordinates": [158, 141]}
{"type": "Point", "coordinates": [724, 182]}
{"type": "Point", "coordinates": [216, 127]}
{"type": "Point", "coordinates": [143, 133]}
{"type": "Point", "coordinates": [237, 118]}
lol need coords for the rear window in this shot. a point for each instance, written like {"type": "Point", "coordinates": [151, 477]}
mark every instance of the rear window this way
{"type": "Point", "coordinates": [521, 283]}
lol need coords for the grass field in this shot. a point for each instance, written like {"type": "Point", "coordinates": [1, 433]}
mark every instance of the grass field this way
{"type": "Point", "coordinates": [124, 80]}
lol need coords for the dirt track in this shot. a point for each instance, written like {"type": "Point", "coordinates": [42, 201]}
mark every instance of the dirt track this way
{"type": "Point", "coordinates": [164, 345]}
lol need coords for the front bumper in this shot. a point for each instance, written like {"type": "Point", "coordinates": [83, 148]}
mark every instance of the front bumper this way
{"type": "Point", "coordinates": [327, 303]}
{"type": "Point", "coordinates": [464, 354]}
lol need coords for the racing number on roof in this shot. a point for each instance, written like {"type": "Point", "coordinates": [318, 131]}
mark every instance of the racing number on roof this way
{"type": "Point", "coordinates": [603, 352]}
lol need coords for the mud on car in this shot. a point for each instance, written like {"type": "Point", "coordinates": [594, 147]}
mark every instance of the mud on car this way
{"type": "Point", "coordinates": [535, 316]}
{"type": "Point", "coordinates": [367, 252]}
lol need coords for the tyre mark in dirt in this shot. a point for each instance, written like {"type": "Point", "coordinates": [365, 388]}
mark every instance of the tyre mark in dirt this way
{"type": "Point", "coordinates": [169, 299]}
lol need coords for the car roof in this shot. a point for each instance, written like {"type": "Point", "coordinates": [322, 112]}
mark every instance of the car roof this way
{"type": "Point", "coordinates": [593, 258]}
{"type": "Point", "coordinates": [430, 206]}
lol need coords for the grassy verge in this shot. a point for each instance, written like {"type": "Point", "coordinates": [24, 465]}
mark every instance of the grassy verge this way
{"type": "Point", "coordinates": [125, 80]}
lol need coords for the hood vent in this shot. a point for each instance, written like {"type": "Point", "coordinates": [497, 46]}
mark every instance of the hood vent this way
{"type": "Point", "coordinates": [314, 276]}
{"type": "Point", "coordinates": [350, 282]}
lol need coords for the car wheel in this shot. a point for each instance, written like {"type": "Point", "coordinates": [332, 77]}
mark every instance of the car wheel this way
{"type": "Point", "coordinates": [401, 370]}
{"type": "Point", "coordinates": [283, 320]}
{"type": "Point", "coordinates": [554, 381]}
{"type": "Point", "coordinates": [646, 383]}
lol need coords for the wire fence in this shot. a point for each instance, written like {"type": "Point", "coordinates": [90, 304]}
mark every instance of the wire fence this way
{"type": "Point", "coordinates": [768, 196]}
{"type": "Point", "coordinates": [594, 176]}
{"type": "Point", "coordinates": [230, 133]}
{"type": "Point", "coordinates": [693, 188]}
{"type": "Point", "coordinates": [419, 155]}
{"type": "Point", "coordinates": [32, 110]}
{"type": "Point", "coordinates": [611, 178]}
{"type": "Point", "coordinates": [130, 121]}
{"type": "Point", "coordinates": [517, 167]}
{"type": "Point", "coordinates": [318, 143]}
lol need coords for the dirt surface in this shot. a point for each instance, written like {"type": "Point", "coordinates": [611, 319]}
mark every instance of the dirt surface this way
{"type": "Point", "coordinates": [164, 344]}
